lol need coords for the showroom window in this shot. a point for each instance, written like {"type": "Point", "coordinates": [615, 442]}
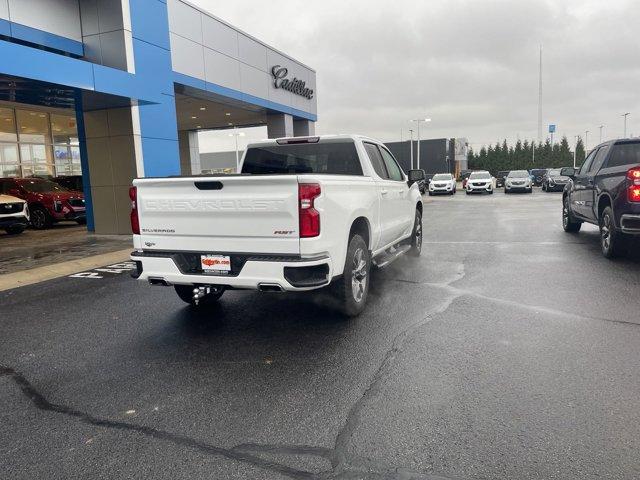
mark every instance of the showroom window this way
{"type": "Point", "coordinates": [38, 143]}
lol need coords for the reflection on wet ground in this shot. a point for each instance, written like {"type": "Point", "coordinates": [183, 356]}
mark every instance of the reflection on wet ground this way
{"type": "Point", "coordinates": [61, 243]}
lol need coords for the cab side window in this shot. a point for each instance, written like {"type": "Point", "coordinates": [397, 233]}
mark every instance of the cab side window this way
{"type": "Point", "coordinates": [395, 172]}
{"type": "Point", "coordinates": [587, 162]}
{"type": "Point", "coordinates": [599, 159]}
{"type": "Point", "coordinates": [376, 160]}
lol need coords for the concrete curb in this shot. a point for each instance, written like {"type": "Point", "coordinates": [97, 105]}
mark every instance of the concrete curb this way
{"type": "Point", "coordinates": [41, 274]}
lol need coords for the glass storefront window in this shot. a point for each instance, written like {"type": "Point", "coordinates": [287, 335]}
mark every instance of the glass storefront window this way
{"type": "Point", "coordinates": [7, 125]}
{"type": "Point", "coordinates": [9, 170]}
{"type": "Point", "coordinates": [64, 129]}
{"type": "Point", "coordinates": [38, 143]}
{"type": "Point", "coordinates": [8, 153]}
{"type": "Point", "coordinates": [33, 127]}
{"type": "Point", "coordinates": [35, 153]}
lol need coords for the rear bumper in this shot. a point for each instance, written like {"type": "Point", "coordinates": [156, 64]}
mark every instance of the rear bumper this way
{"type": "Point", "coordinates": [254, 272]}
{"type": "Point", "coordinates": [630, 223]}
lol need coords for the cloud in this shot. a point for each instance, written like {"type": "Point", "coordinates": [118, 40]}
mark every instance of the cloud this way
{"type": "Point", "coordinates": [470, 65]}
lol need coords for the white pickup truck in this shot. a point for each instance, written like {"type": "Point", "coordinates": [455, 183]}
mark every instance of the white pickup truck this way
{"type": "Point", "coordinates": [305, 212]}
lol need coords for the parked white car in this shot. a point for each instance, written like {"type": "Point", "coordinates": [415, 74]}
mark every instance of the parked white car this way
{"type": "Point", "coordinates": [306, 212]}
{"type": "Point", "coordinates": [480, 181]}
{"type": "Point", "coordinates": [14, 214]}
{"type": "Point", "coordinates": [442, 183]}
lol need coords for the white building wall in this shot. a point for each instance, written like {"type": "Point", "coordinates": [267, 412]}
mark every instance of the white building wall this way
{"type": "Point", "coordinates": [205, 47]}
{"type": "Point", "coordinates": [60, 17]}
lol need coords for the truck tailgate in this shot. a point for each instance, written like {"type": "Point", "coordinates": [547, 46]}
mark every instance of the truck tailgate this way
{"type": "Point", "coordinates": [243, 214]}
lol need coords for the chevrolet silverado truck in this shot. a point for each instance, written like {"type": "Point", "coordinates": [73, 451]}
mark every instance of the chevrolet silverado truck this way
{"type": "Point", "coordinates": [605, 191]}
{"type": "Point", "coordinates": [304, 213]}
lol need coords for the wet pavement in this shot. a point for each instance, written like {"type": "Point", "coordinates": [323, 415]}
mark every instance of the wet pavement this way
{"type": "Point", "coordinates": [62, 242]}
{"type": "Point", "coordinates": [508, 350]}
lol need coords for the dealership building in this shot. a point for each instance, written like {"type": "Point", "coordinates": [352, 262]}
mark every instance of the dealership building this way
{"type": "Point", "coordinates": [118, 89]}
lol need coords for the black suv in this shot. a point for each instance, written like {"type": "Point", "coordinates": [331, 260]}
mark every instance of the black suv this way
{"type": "Point", "coordinates": [538, 175]}
{"type": "Point", "coordinates": [500, 176]}
{"type": "Point", "coordinates": [605, 191]}
{"type": "Point", "coordinates": [553, 181]}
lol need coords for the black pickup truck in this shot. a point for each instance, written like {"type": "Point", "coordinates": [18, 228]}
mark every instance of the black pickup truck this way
{"type": "Point", "coordinates": [605, 191]}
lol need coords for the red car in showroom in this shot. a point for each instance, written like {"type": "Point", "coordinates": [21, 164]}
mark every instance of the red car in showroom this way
{"type": "Point", "coordinates": [48, 201]}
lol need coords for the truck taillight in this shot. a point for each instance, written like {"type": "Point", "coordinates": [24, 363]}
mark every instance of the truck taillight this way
{"type": "Point", "coordinates": [634, 189]}
{"type": "Point", "coordinates": [135, 223]}
{"type": "Point", "coordinates": [309, 216]}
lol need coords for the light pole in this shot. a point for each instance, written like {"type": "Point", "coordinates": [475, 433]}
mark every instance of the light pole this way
{"type": "Point", "coordinates": [411, 146]}
{"type": "Point", "coordinates": [625, 124]}
{"type": "Point", "coordinates": [586, 141]}
{"type": "Point", "coordinates": [575, 149]}
{"type": "Point", "coordinates": [237, 134]}
{"type": "Point", "coordinates": [601, 127]}
{"type": "Point", "coordinates": [418, 120]}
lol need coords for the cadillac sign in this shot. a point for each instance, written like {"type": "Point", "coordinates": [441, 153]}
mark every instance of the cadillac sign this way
{"type": "Point", "coordinates": [280, 80]}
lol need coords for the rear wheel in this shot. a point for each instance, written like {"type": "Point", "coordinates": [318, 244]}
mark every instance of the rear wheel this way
{"type": "Point", "coordinates": [416, 236]}
{"type": "Point", "coordinates": [40, 218]}
{"type": "Point", "coordinates": [185, 292]}
{"type": "Point", "coordinates": [612, 241]}
{"type": "Point", "coordinates": [569, 224]}
{"type": "Point", "coordinates": [353, 287]}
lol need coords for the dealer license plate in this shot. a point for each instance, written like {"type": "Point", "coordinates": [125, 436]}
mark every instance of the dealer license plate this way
{"type": "Point", "coordinates": [215, 263]}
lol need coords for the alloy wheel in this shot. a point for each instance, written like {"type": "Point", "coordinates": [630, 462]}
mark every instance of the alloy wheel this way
{"type": "Point", "coordinates": [605, 232]}
{"type": "Point", "coordinates": [359, 275]}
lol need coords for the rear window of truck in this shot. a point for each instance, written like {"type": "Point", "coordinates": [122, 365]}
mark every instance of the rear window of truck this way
{"type": "Point", "coordinates": [331, 158]}
{"type": "Point", "coordinates": [625, 153]}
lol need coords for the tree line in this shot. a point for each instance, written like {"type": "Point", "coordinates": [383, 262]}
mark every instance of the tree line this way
{"type": "Point", "coordinates": [525, 155]}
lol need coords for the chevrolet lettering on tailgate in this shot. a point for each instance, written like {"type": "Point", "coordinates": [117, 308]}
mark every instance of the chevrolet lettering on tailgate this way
{"type": "Point", "coordinates": [171, 205]}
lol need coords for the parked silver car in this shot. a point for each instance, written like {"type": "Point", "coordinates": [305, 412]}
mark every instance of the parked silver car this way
{"type": "Point", "coordinates": [518, 181]}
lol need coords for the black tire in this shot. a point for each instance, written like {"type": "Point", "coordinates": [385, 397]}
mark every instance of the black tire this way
{"type": "Point", "coordinates": [569, 223]}
{"type": "Point", "coordinates": [467, 192]}
{"type": "Point", "coordinates": [530, 190]}
{"type": "Point", "coordinates": [490, 192]}
{"type": "Point", "coordinates": [15, 229]}
{"type": "Point", "coordinates": [416, 236]}
{"type": "Point", "coordinates": [40, 218]}
{"type": "Point", "coordinates": [352, 288]}
{"type": "Point", "coordinates": [506, 191]}
{"type": "Point", "coordinates": [185, 292]}
{"type": "Point", "coordinates": [612, 242]}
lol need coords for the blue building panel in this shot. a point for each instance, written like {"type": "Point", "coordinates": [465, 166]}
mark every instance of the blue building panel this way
{"type": "Point", "coordinates": [159, 157]}
{"type": "Point", "coordinates": [150, 22]}
{"type": "Point", "coordinates": [40, 37]}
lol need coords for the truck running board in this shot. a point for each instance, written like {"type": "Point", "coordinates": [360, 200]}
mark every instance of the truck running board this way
{"type": "Point", "coordinates": [390, 254]}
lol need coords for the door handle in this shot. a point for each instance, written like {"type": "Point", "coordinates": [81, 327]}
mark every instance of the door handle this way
{"type": "Point", "coordinates": [590, 181]}
{"type": "Point", "coordinates": [383, 192]}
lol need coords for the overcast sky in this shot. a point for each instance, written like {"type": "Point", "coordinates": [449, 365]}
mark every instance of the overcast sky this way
{"type": "Point", "coordinates": [469, 65]}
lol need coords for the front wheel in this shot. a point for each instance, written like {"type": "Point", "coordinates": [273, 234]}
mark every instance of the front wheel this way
{"type": "Point", "coordinates": [612, 241]}
{"type": "Point", "coordinates": [353, 287]}
{"type": "Point", "coordinates": [40, 218]}
{"type": "Point", "coordinates": [569, 224]}
{"type": "Point", "coordinates": [185, 292]}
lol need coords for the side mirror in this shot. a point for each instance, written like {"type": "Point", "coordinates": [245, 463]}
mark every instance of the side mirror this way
{"type": "Point", "coordinates": [416, 175]}
{"type": "Point", "coordinates": [568, 172]}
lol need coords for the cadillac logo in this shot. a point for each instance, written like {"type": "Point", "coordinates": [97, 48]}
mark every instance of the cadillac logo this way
{"type": "Point", "coordinates": [280, 80]}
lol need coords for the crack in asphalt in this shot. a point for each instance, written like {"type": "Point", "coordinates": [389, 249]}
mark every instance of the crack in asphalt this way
{"type": "Point", "coordinates": [511, 303]}
{"type": "Point", "coordinates": [342, 467]}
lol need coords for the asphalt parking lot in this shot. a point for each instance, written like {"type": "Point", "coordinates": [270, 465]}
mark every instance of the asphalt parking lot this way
{"type": "Point", "coordinates": [509, 350]}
